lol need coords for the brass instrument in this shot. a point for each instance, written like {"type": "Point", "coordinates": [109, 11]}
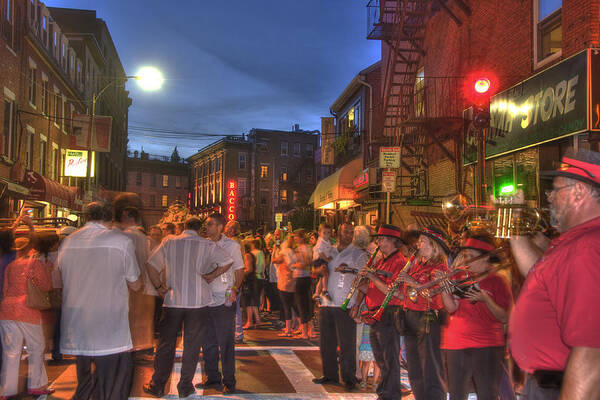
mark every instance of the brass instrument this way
{"type": "Point", "coordinates": [414, 292]}
{"type": "Point", "coordinates": [502, 221]}
{"type": "Point", "coordinates": [359, 278]}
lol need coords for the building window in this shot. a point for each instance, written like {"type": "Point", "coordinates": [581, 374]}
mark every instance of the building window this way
{"type": "Point", "coordinates": [308, 149]}
{"type": "Point", "coordinates": [165, 181]}
{"type": "Point", "coordinates": [264, 197]}
{"type": "Point", "coordinates": [242, 160]}
{"type": "Point", "coordinates": [297, 149]}
{"type": "Point", "coordinates": [54, 163]}
{"type": "Point", "coordinates": [284, 174]}
{"type": "Point", "coordinates": [45, 96]}
{"type": "Point", "coordinates": [420, 93]}
{"type": "Point", "coordinates": [32, 86]}
{"type": "Point", "coordinates": [295, 196]}
{"type": "Point", "coordinates": [43, 154]}
{"type": "Point", "coordinates": [8, 128]}
{"type": "Point", "coordinates": [152, 200]}
{"type": "Point", "coordinates": [29, 149]}
{"type": "Point", "coordinates": [549, 28]}
{"type": "Point", "coordinates": [283, 195]}
{"type": "Point", "coordinates": [284, 148]}
{"type": "Point", "coordinates": [178, 182]}
{"type": "Point", "coordinates": [264, 171]}
{"type": "Point", "coordinates": [57, 101]}
{"type": "Point", "coordinates": [62, 114]}
{"type": "Point", "coordinates": [242, 187]}
{"type": "Point", "coordinates": [138, 178]}
{"type": "Point", "coordinates": [165, 200]}
{"type": "Point", "coordinates": [153, 180]}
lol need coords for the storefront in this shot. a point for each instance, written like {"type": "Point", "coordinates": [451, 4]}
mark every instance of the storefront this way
{"type": "Point", "coordinates": [334, 197]}
{"type": "Point", "coordinates": [50, 199]}
{"type": "Point", "coordinates": [532, 125]}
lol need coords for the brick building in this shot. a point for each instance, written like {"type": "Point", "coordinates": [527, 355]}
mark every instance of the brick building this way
{"type": "Point", "coordinates": [530, 52]}
{"type": "Point", "coordinates": [272, 171]}
{"type": "Point", "coordinates": [159, 181]}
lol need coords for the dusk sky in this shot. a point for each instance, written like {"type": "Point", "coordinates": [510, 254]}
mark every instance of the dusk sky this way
{"type": "Point", "coordinates": [231, 66]}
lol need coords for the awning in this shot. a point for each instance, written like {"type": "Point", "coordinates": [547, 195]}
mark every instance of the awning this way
{"type": "Point", "coordinates": [9, 187]}
{"type": "Point", "coordinates": [337, 187]}
{"type": "Point", "coordinates": [44, 189]}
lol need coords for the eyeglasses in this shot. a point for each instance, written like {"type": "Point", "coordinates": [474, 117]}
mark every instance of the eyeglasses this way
{"type": "Point", "coordinates": [556, 190]}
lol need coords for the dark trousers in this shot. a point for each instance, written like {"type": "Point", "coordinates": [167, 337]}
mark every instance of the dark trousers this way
{"type": "Point", "coordinates": [532, 391]}
{"type": "Point", "coordinates": [303, 298]}
{"type": "Point", "coordinates": [192, 319]}
{"type": "Point", "coordinates": [111, 379]}
{"type": "Point", "coordinates": [337, 329]}
{"type": "Point", "coordinates": [484, 365]}
{"type": "Point", "coordinates": [385, 343]}
{"type": "Point", "coordinates": [218, 341]}
{"type": "Point", "coordinates": [287, 301]}
{"type": "Point", "coordinates": [422, 335]}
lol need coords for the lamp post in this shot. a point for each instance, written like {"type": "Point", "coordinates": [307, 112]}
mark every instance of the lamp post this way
{"type": "Point", "coordinates": [148, 78]}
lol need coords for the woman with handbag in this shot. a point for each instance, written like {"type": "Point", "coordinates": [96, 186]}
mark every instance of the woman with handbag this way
{"type": "Point", "coordinates": [25, 293]}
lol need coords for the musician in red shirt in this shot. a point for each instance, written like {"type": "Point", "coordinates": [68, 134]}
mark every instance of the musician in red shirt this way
{"type": "Point", "coordinates": [423, 319]}
{"type": "Point", "coordinates": [474, 336]}
{"type": "Point", "coordinates": [384, 337]}
{"type": "Point", "coordinates": [554, 329]}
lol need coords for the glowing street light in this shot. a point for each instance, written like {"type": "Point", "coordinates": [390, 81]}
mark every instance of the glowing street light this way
{"type": "Point", "coordinates": [149, 78]}
{"type": "Point", "coordinates": [482, 85]}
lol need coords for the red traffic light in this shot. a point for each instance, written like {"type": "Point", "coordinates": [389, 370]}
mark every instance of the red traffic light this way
{"type": "Point", "coordinates": [482, 85]}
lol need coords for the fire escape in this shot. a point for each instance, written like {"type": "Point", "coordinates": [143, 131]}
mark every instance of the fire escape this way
{"type": "Point", "coordinates": [417, 110]}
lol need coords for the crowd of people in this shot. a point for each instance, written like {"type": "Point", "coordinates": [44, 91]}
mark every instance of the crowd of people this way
{"type": "Point", "coordinates": [376, 300]}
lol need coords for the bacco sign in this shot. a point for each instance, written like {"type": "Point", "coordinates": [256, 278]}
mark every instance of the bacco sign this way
{"type": "Point", "coordinates": [231, 199]}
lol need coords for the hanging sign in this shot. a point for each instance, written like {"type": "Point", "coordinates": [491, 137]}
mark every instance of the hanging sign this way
{"type": "Point", "coordinates": [389, 157]}
{"type": "Point", "coordinates": [231, 199]}
{"type": "Point", "coordinates": [388, 181]}
{"type": "Point", "coordinates": [76, 163]}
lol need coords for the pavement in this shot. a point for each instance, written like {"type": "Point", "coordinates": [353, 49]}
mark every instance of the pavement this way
{"type": "Point", "coordinates": [267, 367]}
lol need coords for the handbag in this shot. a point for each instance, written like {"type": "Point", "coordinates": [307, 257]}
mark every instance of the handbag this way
{"type": "Point", "coordinates": [36, 298]}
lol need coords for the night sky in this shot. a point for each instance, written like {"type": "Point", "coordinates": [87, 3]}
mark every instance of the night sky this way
{"type": "Point", "coordinates": [231, 66]}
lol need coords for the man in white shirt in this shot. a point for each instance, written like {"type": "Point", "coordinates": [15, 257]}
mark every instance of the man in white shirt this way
{"type": "Point", "coordinates": [97, 266]}
{"type": "Point", "coordinates": [218, 334]}
{"type": "Point", "coordinates": [189, 263]}
{"type": "Point", "coordinates": [337, 328]}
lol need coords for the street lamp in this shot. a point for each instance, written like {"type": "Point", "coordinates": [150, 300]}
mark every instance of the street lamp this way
{"type": "Point", "coordinates": [148, 78]}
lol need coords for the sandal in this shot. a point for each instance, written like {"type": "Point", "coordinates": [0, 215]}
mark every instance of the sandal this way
{"type": "Point", "coordinates": [285, 334]}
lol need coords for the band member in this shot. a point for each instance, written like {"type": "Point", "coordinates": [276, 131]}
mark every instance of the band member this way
{"type": "Point", "coordinates": [554, 326]}
{"type": "Point", "coordinates": [423, 319]}
{"type": "Point", "coordinates": [385, 340]}
{"type": "Point", "coordinates": [474, 335]}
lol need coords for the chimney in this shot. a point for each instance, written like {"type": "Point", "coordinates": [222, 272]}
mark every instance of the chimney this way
{"type": "Point", "coordinates": [296, 128]}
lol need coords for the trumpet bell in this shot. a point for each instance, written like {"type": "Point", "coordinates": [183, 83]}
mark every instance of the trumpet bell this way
{"type": "Point", "coordinates": [455, 208]}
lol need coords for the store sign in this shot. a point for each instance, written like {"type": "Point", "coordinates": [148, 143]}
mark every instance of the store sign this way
{"type": "Point", "coordinates": [231, 199]}
{"type": "Point", "coordinates": [76, 163]}
{"type": "Point", "coordinates": [278, 217]}
{"type": "Point", "coordinates": [361, 180]}
{"type": "Point", "coordinates": [388, 181]}
{"type": "Point", "coordinates": [547, 106]}
{"type": "Point", "coordinates": [389, 157]}
{"type": "Point", "coordinates": [82, 128]}
{"type": "Point", "coordinates": [327, 137]}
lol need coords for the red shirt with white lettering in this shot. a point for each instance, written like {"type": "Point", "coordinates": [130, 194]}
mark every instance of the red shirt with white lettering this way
{"type": "Point", "coordinates": [473, 325]}
{"type": "Point", "coordinates": [392, 264]}
{"type": "Point", "coordinates": [557, 308]}
{"type": "Point", "coordinates": [424, 273]}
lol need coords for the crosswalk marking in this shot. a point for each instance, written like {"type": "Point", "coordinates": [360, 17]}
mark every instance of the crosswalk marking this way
{"type": "Point", "coordinates": [296, 372]}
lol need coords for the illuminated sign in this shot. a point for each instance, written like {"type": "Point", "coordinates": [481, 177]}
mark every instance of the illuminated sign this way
{"type": "Point", "coordinates": [231, 199]}
{"type": "Point", "coordinates": [76, 163]}
{"type": "Point", "coordinates": [361, 180]}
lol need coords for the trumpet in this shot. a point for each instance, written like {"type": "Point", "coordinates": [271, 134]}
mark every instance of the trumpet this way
{"type": "Point", "coordinates": [414, 292]}
{"type": "Point", "coordinates": [359, 278]}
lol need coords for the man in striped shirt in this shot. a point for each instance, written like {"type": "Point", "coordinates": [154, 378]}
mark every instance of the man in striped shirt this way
{"type": "Point", "coordinates": [189, 263]}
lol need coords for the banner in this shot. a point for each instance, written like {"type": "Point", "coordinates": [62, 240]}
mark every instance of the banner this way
{"type": "Point", "coordinates": [81, 130]}
{"type": "Point", "coordinates": [76, 163]}
{"type": "Point", "coordinates": [327, 137]}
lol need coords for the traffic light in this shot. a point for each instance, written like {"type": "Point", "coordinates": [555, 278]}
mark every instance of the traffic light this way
{"type": "Point", "coordinates": [478, 88]}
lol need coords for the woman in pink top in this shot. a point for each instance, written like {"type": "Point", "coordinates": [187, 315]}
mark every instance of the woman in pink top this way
{"type": "Point", "coordinates": [19, 322]}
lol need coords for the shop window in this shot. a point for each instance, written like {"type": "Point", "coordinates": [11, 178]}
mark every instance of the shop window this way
{"type": "Point", "coordinates": [548, 30]}
{"type": "Point", "coordinates": [516, 171]}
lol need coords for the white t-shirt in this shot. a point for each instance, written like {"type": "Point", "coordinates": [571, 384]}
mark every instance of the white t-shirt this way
{"type": "Point", "coordinates": [325, 247]}
{"type": "Point", "coordinates": [186, 258]}
{"type": "Point", "coordinates": [142, 252]}
{"type": "Point", "coordinates": [95, 264]}
{"type": "Point", "coordinates": [339, 284]}
{"type": "Point", "coordinates": [220, 285]}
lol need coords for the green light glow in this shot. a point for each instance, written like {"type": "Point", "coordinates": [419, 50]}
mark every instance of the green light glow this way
{"type": "Point", "coordinates": [507, 189]}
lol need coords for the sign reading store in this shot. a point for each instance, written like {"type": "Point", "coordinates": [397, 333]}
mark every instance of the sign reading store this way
{"type": "Point", "coordinates": [560, 101]}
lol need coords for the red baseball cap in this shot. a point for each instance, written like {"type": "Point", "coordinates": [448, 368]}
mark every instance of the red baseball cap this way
{"type": "Point", "coordinates": [583, 165]}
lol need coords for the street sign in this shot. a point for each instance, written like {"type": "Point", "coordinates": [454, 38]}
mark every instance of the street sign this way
{"type": "Point", "coordinates": [388, 181]}
{"type": "Point", "coordinates": [278, 217]}
{"type": "Point", "coordinates": [389, 157]}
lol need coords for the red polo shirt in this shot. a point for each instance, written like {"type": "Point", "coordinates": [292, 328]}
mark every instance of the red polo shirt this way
{"type": "Point", "coordinates": [557, 307]}
{"type": "Point", "coordinates": [392, 264]}
{"type": "Point", "coordinates": [473, 325]}
{"type": "Point", "coordinates": [424, 273]}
